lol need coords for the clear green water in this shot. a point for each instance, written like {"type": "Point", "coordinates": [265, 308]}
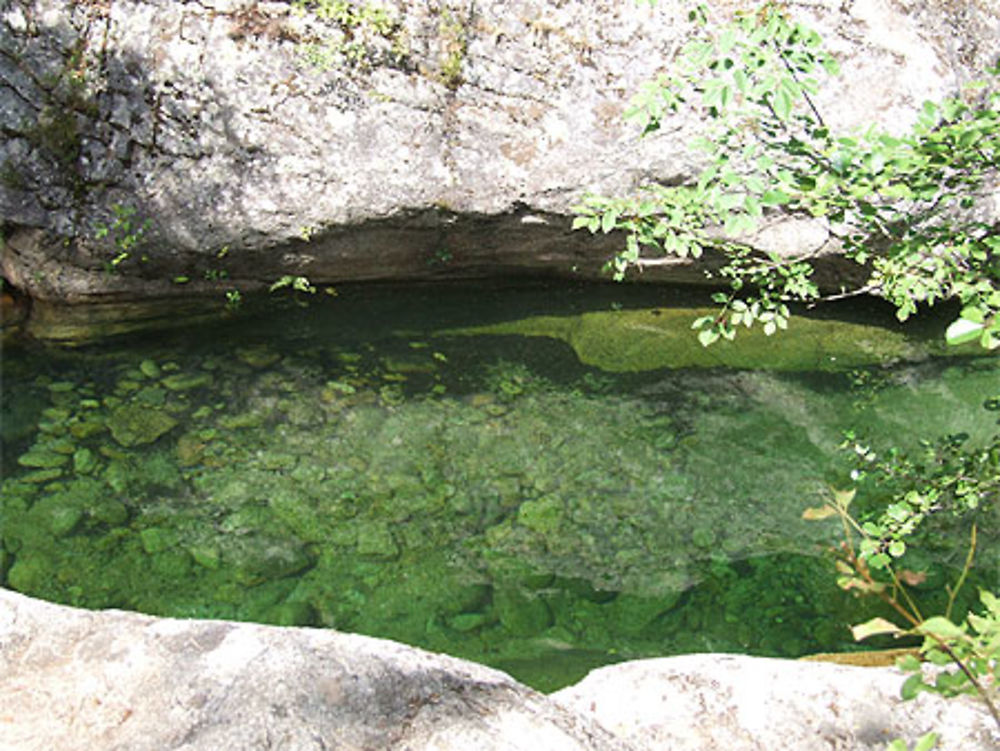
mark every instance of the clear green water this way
{"type": "Point", "coordinates": [494, 472]}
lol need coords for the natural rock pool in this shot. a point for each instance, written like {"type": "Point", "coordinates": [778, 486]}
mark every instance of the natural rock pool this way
{"type": "Point", "coordinates": [542, 478]}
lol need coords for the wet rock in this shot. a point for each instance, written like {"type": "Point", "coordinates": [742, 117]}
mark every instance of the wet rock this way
{"type": "Point", "coordinates": [375, 539]}
{"type": "Point", "coordinates": [41, 476]}
{"type": "Point", "coordinates": [86, 428]}
{"type": "Point", "coordinates": [258, 357]}
{"type": "Point", "coordinates": [150, 369]}
{"type": "Point", "coordinates": [133, 425]}
{"type": "Point", "coordinates": [261, 557]}
{"type": "Point", "coordinates": [84, 461]}
{"type": "Point", "coordinates": [626, 341]}
{"type": "Point", "coordinates": [521, 613]}
{"type": "Point", "coordinates": [156, 539]}
{"type": "Point", "coordinates": [42, 459]}
{"type": "Point", "coordinates": [186, 382]}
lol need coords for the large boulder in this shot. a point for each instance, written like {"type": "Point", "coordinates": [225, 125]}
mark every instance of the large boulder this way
{"type": "Point", "coordinates": [700, 702]}
{"type": "Point", "coordinates": [231, 142]}
{"type": "Point", "coordinates": [113, 680]}
{"type": "Point", "coordinates": [107, 680]}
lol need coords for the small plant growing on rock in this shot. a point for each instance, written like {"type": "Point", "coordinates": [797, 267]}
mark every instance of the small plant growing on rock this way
{"type": "Point", "coordinates": [126, 233]}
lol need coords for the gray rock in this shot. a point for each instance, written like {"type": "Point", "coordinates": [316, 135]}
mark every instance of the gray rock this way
{"type": "Point", "coordinates": [112, 680]}
{"type": "Point", "coordinates": [734, 702]}
{"type": "Point", "coordinates": [449, 143]}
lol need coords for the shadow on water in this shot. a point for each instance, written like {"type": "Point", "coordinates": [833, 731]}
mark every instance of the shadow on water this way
{"type": "Point", "coordinates": [448, 467]}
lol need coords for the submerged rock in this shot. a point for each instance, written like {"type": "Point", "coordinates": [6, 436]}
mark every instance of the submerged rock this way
{"type": "Point", "coordinates": [621, 341]}
{"type": "Point", "coordinates": [134, 425]}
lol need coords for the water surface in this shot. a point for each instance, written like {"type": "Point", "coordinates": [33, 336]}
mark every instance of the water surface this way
{"type": "Point", "coordinates": [504, 473]}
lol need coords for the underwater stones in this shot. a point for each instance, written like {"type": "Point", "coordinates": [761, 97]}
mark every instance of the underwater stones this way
{"type": "Point", "coordinates": [543, 516]}
{"type": "Point", "coordinates": [150, 369]}
{"type": "Point", "coordinates": [28, 573]}
{"type": "Point", "coordinates": [85, 428]}
{"type": "Point", "coordinates": [84, 461]}
{"type": "Point", "coordinates": [272, 460]}
{"type": "Point", "coordinates": [258, 357]}
{"type": "Point", "coordinates": [187, 382]}
{"type": "Point", "coordinates": [133, 425]}
{"type": "Point", "coordinates": [190, 450]}
{"type": "Point", "coordinates": [260, 557]}
{"type": "Point", "coordinates": [41, 476]}
{"type": "Point", "coordinates": [151, 396]}
{"type": "Point", "coordinates": [42, 459]}
{"type": "Point", "coordinates": [205, 555]}
{"type": "Point", "coordinates": [109, 511]}
{"type": "Point", "coordinates": [241, 420]}
{"type": "Point", "coordinates": [464, 622]}
{"type": "Point", "coordinates": [628, 341]}
{"type": "Point", "coordinates": [703, 537]}
{"type": "Point", "coordinates": [296, 613]}
{"type": "Point", "coordinates": [156, 539]}
{"type": "Point", "coordinates": [376, 541]}
{"type": "Point", "coordinates": [520, 612]}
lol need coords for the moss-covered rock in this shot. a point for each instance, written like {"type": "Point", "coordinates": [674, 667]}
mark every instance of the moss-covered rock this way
{"type": "Point", "coordinates": [521, 613]}
{"type": "Point", "coordinates": [135, 425]}
{"type": "Point", "coordinates": [649, 339]}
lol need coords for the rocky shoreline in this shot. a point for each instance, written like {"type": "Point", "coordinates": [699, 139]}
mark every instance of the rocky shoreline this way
{"type": "Point", "coordinates": [110, 679]}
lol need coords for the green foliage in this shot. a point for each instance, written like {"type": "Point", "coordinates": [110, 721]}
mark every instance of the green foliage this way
{"type": "Point", "coordinates": [970, 649]}
{"type": "Point", "coordinates": [363, 29]}
{"type": "Point", "coordinates": [126, 233]}
{"type": "Point", "coordinates": [945, 478]}
{"type": "Point", "coordinates": [901, 205]}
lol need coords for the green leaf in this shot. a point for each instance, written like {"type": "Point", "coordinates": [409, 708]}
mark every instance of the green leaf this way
{"type": "Point", "coordinates": [875, 627]}
{"type": "Point", "coordinates": [912, 686]}
{"type": "Point", "coordinates": [775, 198]}
{"type": "Point", "coordinates": [608, 221]}
{"type": "Point", "coordinates": [708, 337]}
{"type": "Point", "coordinates": [941, 627]}
{"type": "Point", "coordinates": [926, 742]}
{"type": "Point", "coordinates": [963, 330]}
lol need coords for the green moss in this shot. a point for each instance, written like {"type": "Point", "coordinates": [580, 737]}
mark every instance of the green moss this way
{"type": "Point", "coordinates": [135, 425]}
{"type": "Point", "coordinates": [648, 339]}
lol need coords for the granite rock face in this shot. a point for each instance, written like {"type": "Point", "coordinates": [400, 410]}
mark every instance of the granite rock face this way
{"type": "Point", "coordinates": [246, 140]}
{"type": "Point", "coordinates": [113, 680]}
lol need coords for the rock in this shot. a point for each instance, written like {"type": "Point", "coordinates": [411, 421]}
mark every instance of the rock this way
{"type": "Point", "coordinates": [625, 341]}
{"type": "Point", "coordinates": [441, 148]}
{"type": "Point", "coordinates": [150, 369]}
{"type": "Point", "coordinates": [375, 540]}
{"type": "Point", "coordinates": [84, 461]}
{"type": "Point", "coordinates": [110, 679]}
{"type": "Point", "coordinates": [734, 702]}
{"type": "Point", "coordinates": [121, 680]}
{"type": "Point", "coordinates": [42, 459]}
{"type": "Point", "coordinates": [520, 612]}
{"type": "Point", "coordinates": [181, 382]}
{"type": "Point", "coordinates": [135, 425]}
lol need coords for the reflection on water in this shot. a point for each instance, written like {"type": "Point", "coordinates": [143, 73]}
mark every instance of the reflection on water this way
{"type": "Point", "coordinates": [362, 465]}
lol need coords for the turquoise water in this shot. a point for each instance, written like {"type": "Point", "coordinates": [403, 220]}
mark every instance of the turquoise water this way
{"type": "Point", "coordinates": [498, 472]}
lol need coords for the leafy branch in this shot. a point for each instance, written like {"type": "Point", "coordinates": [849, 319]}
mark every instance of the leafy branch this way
{"type": "Point", "coordinates": [902, 207]}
